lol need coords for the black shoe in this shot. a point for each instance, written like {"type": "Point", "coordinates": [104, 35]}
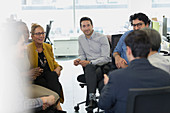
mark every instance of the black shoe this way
{"type": "Point", "coordinates": [60, 111]}
{"type": "Point", "coordinates": [92, 105]}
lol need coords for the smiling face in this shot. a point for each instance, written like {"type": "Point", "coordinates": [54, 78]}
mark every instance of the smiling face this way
{"type": "Point", "coordinates": [87, 28]}
{"type": "Point", "coordinates": [39, 35]}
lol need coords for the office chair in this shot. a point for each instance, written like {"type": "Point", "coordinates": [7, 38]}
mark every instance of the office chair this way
{"type": "Point", "coordinates": [76, 108]}
{"type": "Point", "coordinates": [149, 100]}
{"type": "Point", "coordinates": [113, 42]}
{"type": "Point", "coordinates": [48, 28]}
{"type": "Point", "coordinates": [82, 85]}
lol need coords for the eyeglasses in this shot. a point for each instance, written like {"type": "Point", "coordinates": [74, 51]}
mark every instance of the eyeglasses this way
{"type": "Point", "coordinates": [39, 33]}
{"type": "Point", "coordinates": [138, 24]}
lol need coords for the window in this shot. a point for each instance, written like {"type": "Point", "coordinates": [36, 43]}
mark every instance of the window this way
{"type": "Point", "coordinates": [101, 4]}
{"type": "Point", "coordinates": [66, 14]}
{"type": "Point", "coordinates": [46, 4]}
{"type": "Point", "coordinates": [161, 3]}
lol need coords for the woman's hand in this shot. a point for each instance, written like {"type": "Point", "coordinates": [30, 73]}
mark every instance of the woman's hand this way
{"type": "Point", "coordinates": [35, 72]}
{"type": "Point", "coordinates": [58, 70]}
{"type": "Point", "coordinates": [48, 101]}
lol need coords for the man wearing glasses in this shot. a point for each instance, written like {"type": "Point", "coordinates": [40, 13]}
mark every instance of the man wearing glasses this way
{"type": "Point", "coordinates": [138, 21]}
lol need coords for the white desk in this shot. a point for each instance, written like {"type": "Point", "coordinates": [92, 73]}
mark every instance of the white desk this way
{"type": "Point", "coordinates": [65, 47]}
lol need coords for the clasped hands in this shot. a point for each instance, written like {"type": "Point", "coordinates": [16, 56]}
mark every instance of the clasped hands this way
{"type": "Point", "coordinates": [81, 62]}
{"type": "Point", "coordinates": [47, 101]}
{"type": "Point", "coordinates": [120, 62]}
{"type": "Point", "coordinates": [35, 72]}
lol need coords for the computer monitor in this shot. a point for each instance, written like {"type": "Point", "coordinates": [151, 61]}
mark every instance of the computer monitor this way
{"type": "Point", "coordinates": [164, 29]}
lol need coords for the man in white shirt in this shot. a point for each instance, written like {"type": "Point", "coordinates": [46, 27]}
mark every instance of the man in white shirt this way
{"type": "Point", "coordinates": [94, 55]}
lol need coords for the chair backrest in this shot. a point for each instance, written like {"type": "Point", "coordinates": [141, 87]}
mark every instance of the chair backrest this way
{"type": "Point", "coordinates": [149, 100]}
{"type": "Point", "coordinates": [114, 40]}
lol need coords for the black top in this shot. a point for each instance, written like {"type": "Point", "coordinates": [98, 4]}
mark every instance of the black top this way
{"type": "Point", "coordinates": [42, 62]}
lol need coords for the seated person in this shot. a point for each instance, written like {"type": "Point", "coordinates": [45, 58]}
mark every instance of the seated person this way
{"type": "Point", "coordinates": [44, 70]}
{"type": "Point", "coordinates": [19, 101]}
{"type": "Point", "coordinates": [139, 74]}
{"type": "Point", "coordinates": [138, 21]}
{"type": "Point", "coordinates": [94, 54]}
{"type": "Point", "coordinates": [154, 57]}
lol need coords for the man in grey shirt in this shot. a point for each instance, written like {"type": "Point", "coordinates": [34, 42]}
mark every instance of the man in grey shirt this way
{"type": "Point", "coordinates": [154, 57]}
{"type": "Point", "coordinates": [94, 55]}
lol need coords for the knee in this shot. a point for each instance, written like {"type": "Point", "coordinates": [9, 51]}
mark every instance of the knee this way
{"type": "Point", "coordinates": [89, 67]}
{"type": "Point", "coordinates": [98, 71]}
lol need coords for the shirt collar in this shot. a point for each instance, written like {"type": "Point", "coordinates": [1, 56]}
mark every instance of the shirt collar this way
{"type": "Point", "coordinates": [91, 35]}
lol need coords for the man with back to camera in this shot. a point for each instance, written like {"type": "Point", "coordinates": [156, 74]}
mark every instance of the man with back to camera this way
{"type": "Point", "coordinates": [139, 74]}
{"type": "Point", "coordinates": [94, 54]}
{"type": "Point", "coordinates": [154, 57]}
{"type": "Point", "coordinates": [138, 21]}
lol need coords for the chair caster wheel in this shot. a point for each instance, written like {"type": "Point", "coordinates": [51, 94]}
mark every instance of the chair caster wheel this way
{"type": "Point", "coordinates": [76, 108]}
{"type": "Point", "coordinates": [89, 111]}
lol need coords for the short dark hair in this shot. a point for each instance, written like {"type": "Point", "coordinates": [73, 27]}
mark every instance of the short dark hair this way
{"type": "Point", "coordinates": [139, 43]}
{"type": "Point", "coordinates": [155, 38]}
{"type": "Point", "coordinates": [141, 17]}
{"type": "Point", "coordinates": [84, 19]}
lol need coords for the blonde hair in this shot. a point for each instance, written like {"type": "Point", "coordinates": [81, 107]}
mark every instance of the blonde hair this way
{"type": "Point", "coordinates": [34, 26]}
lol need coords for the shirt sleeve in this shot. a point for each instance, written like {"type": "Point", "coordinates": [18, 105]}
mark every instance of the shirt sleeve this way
{"type": "Point", "coordinates": [33, 103]}
{"type": "Point", "coordinates": [105, 52]}
{"type": "Point", "coordinates": [119, 45]}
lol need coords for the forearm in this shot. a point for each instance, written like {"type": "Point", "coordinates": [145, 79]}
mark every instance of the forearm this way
{"type": "Point", "coordinates": [33, 103]}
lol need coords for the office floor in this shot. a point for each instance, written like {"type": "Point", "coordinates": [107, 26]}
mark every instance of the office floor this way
{"type": "Point", "coordinates": [73, 93]}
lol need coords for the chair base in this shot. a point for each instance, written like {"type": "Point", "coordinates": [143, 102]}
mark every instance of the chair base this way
{"type": "Point", "coordinates": [76, 108]}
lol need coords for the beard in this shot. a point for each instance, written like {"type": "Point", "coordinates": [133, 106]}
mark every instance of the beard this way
{"type": "Point", "coordinates": [89, 34]}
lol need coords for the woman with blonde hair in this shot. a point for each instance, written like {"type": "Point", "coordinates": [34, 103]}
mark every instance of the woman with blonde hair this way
{"type": "Point", "coordinates": [46, 70]}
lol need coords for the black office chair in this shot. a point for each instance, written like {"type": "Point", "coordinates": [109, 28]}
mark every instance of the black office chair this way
{"type": "Point", "coordinates": [82, 85]}
{"type": "Point", "coordinates": [48, 28]}
{"type": "Point", "coordinates": [149, 100]}
{"type": "Point", "coordinates": [114, 40]}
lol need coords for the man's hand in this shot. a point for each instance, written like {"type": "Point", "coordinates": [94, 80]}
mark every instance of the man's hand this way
{"type": "Point", "coordinates": [84, 63]}
{"type": "Point", "coordinates": [123, 65]}
{"type": "Point", "coordinates": [120, 62]}
{"type": "Point", "coordinates": [106, 79]}
{"type": "Point", "coordinates": [58, 70]}
{"type": "Point", "coordinates": [76, 62]}
{"type": "Point", "coordinates": [48, 101]}
{"type": "Point", "coordinates": [35, 72]}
